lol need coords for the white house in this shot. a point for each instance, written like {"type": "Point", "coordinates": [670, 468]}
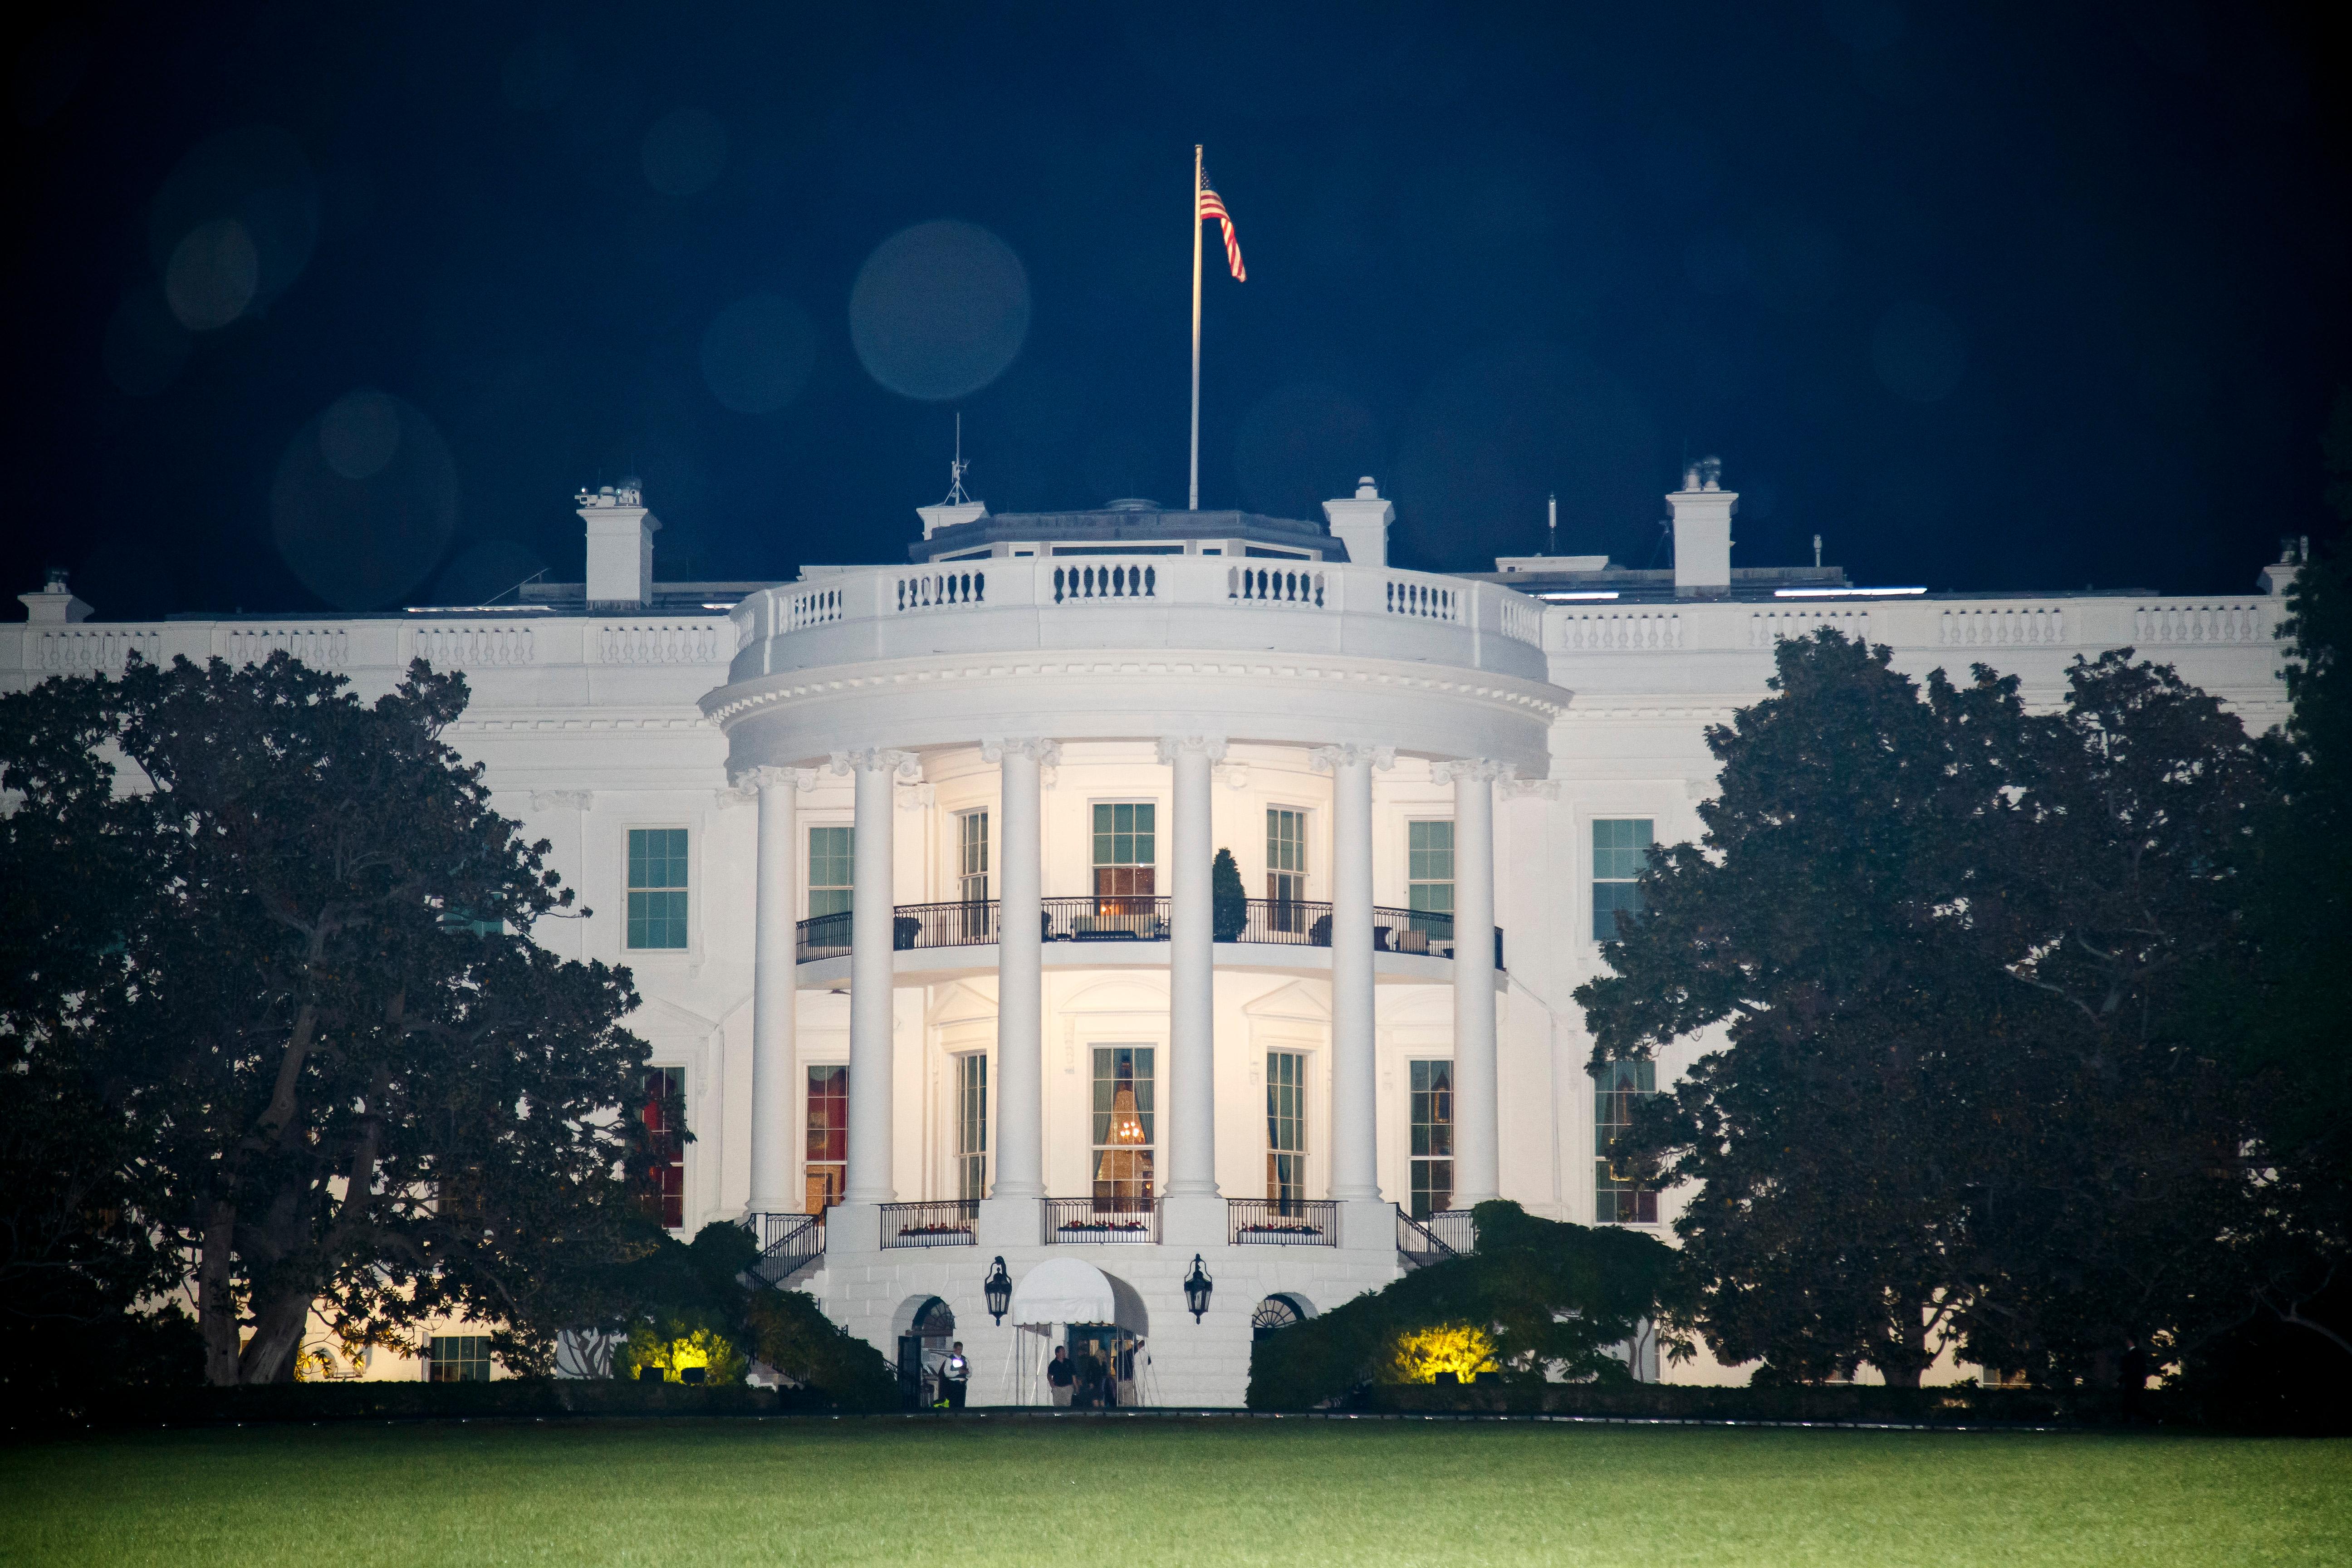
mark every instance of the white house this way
{"type": "Point", "coordinates": [913, 866]}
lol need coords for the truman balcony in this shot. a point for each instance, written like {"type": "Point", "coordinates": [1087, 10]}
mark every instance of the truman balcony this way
{"type": "Point", "coordinates": [943, 941]}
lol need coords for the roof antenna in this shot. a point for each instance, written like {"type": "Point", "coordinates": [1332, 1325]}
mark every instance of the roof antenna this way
{"type": "Point", "coordinates": [1551, 525]}
{"type": "Point", "coordinates": [957, 469]}
{"type": "Point", "coordinates": [1817, 553]}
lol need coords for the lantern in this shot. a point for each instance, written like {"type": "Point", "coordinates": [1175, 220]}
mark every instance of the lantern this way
{"type": "Point", "coordinates": [998, 1287]}
{"type": "Point", "coordinates": [1197, 1286]}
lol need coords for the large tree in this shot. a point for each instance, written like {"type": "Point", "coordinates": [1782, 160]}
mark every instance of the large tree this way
{"type": "Point", "coordinates": [1965, 1094]}
{"type": "Point", "coordinates": [348, 1076]}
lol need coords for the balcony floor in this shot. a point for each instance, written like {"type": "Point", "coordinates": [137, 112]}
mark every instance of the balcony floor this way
{"type": "Point", "coordinates": [926, 965]}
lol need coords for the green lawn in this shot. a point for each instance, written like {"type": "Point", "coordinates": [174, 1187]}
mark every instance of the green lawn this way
{"type": "Point", "coordinates": [1210, 1491]}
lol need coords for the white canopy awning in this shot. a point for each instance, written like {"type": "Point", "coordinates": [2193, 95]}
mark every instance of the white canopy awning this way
{"type": "Point", "coordinates": [1063, 1291]}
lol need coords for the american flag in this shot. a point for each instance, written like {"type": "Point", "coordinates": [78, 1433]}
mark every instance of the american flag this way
{"type": "Point", "coordinates": [1214, 206]}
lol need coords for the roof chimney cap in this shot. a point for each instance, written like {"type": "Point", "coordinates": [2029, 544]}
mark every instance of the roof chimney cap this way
{"type": "Point", "coordinates": [54, 605]}
{"type": "Point", "coordinates": [1132, 503]}
{"type": "Point", "coordinates": [1706, 474]}
{"type": "Point", "coordinates": [1366, 489]}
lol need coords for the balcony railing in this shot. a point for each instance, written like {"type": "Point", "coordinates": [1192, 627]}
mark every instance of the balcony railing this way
{"type": "Point", "coordinates": [1277, 923]}
{"type": "Point", "coordinates": [1281, 1222]}
{"type": "Point", "coordinates": [788, 1242]}
{"type": "Point", "coordinates": [1090, 1220]}
{"type": "Point", "coordinates": [1417, 1244]}
{"type": "Point", "coordinates": [942, 1222]}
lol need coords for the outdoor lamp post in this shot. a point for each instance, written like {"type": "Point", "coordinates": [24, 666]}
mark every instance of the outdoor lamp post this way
{"type": "Point", "coordinates": [1197, 1286]}
{"type": "Point", "coordinates": [998, 1287]}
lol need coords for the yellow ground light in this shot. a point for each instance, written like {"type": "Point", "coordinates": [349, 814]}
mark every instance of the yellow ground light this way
{"type": "Point", "coordinates": [1417, 1356]}
{"type": "Point", "coordinates": [721, 1362]}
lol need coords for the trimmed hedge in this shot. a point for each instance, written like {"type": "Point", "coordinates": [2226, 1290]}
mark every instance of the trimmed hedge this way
{"type": "Point", "coordinates": [512, 1398]}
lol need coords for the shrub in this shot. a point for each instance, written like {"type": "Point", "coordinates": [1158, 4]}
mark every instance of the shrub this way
{"type": "Point", "coordinates": [789, 1334]}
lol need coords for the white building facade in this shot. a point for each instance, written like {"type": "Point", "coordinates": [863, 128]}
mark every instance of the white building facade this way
{"type": "Point", "coordinates": [913, 866]}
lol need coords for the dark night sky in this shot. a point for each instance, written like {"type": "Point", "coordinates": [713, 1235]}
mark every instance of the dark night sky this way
{"type": "Point", "coordinates": [1991, 297]}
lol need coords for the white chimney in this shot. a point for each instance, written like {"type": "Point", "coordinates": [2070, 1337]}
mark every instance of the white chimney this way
{"type": "Point", "coordinates": [1361, 523]}
{"type": "Point", "coordinates": [620, 544]}
{"type": "Point", "coordinates": [54, 605]}
{"type": "Point", "coordinates": [1702, 511]}
{"type": "Point", "coordinates": [951, 514]}
{"type": "Point", "coordinates": [2276, 578]}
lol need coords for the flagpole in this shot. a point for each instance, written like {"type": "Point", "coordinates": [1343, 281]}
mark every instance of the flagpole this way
{"type": "Point", "coordinates": [1194, 503]}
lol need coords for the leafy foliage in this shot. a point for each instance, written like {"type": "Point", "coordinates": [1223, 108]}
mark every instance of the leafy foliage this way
{"type": "Point", "coordinates": [1228, 899]}
{"type": "Point", "coordinates": [789, 1333]}
{"type": "Point", "coordinates": [1552, 1298]}
{"type": "Point", "coordinates": [304, 993]}
{"type": "Point", "coordinates": [1970, 1091]}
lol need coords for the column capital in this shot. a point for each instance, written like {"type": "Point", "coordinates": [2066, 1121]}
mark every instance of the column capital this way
{"type": "Point", "coordinates": [1038, 749]}
{"type": "Point", "coordinates": [1511, 787]}
{"type": "Point", "coordinates": [753, 780]}
{"type": "Point", "coordinates": [877, 760]}
{"type": "Point", "coordinates": [1473, 770]}
{"type": "Point", "coordinates": [563, 799]}
{"type": "Point", "coordinates": [1331, 759]}
{"type": "Point", "coordinates": [922, 797]}
{"type": "Point", "coordinates": [1209, 746]}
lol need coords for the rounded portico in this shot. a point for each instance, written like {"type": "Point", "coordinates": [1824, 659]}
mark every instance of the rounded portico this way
{"type": "Point", "coordinates": [1047, 746]}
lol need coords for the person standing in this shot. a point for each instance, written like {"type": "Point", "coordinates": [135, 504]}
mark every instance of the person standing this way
{"type": "Point", "coordinates": [1060, 1376]}
{"type": "Point", "coordinates": [955, 1374]}
{"type": "Point", "coordinates": [1091, 1376]}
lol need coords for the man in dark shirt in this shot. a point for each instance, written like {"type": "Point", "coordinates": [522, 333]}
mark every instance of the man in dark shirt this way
{"type": "Point", "coordinates": [1060, 1376]}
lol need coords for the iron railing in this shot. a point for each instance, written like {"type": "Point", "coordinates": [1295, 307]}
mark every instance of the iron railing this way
{"type": "Point", "coordinates": [1417, 1244]}
{"type": "Point", "coordinates": [1278, 922]}
{"type": "Point", "coordinates": [942, 1222]}
{"type": "Point", "coordinates": [1131, 1220]}
{"type": "Point", "coordinates": [1281, 1222]}
{"type": "Point", "coordinates": [788, 1243]}
{"type": "Point", "coordinates": [1455, 1228]}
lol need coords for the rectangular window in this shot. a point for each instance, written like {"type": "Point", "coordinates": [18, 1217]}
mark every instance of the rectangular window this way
{"type": "Point", "coordinates": [1123, 1125]}
{"type": "Point", "coordinates": [1286, 1127]}
{"type": "Point", "coordinates": [460, 1358]}
{"type": "Point", "coordinates": [1428, 879]}
{"type": "Point", "coordinates": [1126, 850]}
{"type": "Point", "coordinates": [827, 1150]}
{"type": "Point", "coordinates": [656, 887]}
{"type": "Point", "coordinates": [971, 856]}
{"type": "Point", "coordinates": [1616, 1089]}
{"type": "Point", "coordinates": [831, 869]}
{"type": "Point", "coordinates": [1432, 1138]}
{"type": "Point", "coordinates": [1620, 848]}
{"type": "Point", "coordinates": [971, 1126]}
{"type": "Point", "coordinates": [1285, 867]}
{"type": "Point", "coordinates": [665, 1118]}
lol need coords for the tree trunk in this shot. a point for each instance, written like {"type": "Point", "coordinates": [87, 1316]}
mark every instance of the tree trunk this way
{"type": "Point", "coordinates": [276, 1337]}
{"type": "Point", "coordinates": [1902, 1377]}
{"type": "Point", "coordinates": [216, 1298]}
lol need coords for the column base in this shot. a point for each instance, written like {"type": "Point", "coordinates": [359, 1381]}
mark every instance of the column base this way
{"type": "Point", "coordinates": [1367, 1225]}
{"type": "Point", "coordinates": [1193, 1222]}
{"type": "Point", "coordinates": [1010, 1221]}
{"type": "Point", "coordinates": [853, 1229]}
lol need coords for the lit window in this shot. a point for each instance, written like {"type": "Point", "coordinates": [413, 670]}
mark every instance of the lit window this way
{"type": "Point", "coordinates": [664, 1114]}
{"type": "Point", "coordinates": [1122, 1126]}
{"type": "Point", "coordinates": [1429, 877]}
{"type": "Point", "coordinates": [1286, 1127]}
{"type": "Point", "coordinates": [827, 1150]}
{"type": "Point", "coordinates": [656, 887]}
{"type": "Point", "coordinates": [1616, 1089]}
{"type": "Point", "coordinates": [831, 869]}
{"type": "Point", "coordinates": [971, 1126]}
{"type": "Point", "coordinates": [1432, 1138]}
{"type": "Point", "coordinates": [1286, 868]}
{"type": "Point", "coordinates": [1126, 849]}
{"type": "Point", "coordinates": [971, 856]}
{"type": "Point", "coordinates": [459, 1358]}
{"type": "Point", "coordinates": [1621, 848]}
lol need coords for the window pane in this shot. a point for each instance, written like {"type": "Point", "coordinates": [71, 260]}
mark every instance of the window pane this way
{"type": "Point", "coordinates": [1621, 849]}
{"type": "Point", "coordinates": [1618, 1086]}
{"type": "Point", "coordinates": [664, 1114]}
{"type": "Point", "coordinates": [971, 1126]}
{"type": "Point", "coordinates": [1432, 1130]}
{"type": "Point", "coordinates": [1122, 1124]}
{"type": "Point", "coordinates": [827, 1146]}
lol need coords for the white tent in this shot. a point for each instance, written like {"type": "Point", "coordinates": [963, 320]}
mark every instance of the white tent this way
{"type": "Point", "coordinates": [1060, 1290]}
{"type": "Point", "coordinates": [1063, 1291]}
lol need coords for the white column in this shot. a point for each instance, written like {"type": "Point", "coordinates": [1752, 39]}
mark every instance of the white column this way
{"type": "Point", "coordinates": [1355, 1174]}
{"type": "Point", "coordinates": [871, 965]}
{"type": "Point", "coordinates": [1020, 1132]}
{"type": "Point", "coordinates": [775, 1110]}
{"type": "Point", "coordinates": [1478, 1166]}
{"type": "Point", "coordinates": [1192, 1135]}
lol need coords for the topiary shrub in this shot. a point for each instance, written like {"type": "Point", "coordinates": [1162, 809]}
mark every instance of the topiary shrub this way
{"type": "Point", "coordinates": [789, 1334]}
{"type": "Point", "coordinates": [1547, 1298]}
{"type": "Point", "coordinates": [1228, 899]}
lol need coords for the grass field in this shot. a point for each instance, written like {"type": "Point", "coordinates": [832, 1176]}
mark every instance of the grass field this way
{"type": "Point", "coordinates": [686, 1494]}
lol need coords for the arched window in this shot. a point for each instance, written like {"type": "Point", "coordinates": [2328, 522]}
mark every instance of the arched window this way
{"type": "Point", "coordinates": [1276, 1312]}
